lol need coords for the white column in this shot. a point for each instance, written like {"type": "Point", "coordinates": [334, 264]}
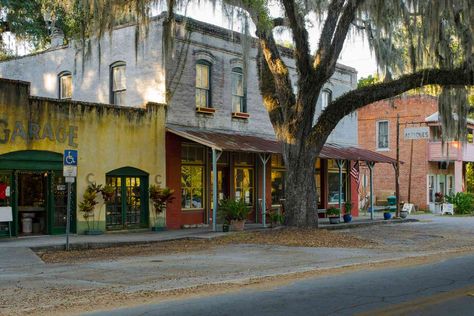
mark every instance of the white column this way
{"type": "Point", "coordinates": [458, 176]}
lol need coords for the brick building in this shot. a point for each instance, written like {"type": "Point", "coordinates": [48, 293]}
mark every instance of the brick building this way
{"type": "Point", "coordinates": [432, 169]}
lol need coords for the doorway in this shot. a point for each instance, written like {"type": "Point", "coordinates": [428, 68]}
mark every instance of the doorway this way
{"type": "Point", "coordinates": [32, 203]}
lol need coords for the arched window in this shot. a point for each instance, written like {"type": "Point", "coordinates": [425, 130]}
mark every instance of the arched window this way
{"type": "Point", "coordinates": [65, 85]}
{"type": "Point", "coordinates": [238, 91]}
{"type": "Point", "coordinates": [118, 83]}
{"type": "Point", "coordinates": [203, 84]}
{"type": "Point", "coordinates": [326, 98]}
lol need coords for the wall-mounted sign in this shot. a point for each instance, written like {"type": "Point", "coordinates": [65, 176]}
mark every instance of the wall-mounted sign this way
{"type": "Point", "coordinates": [416, 133]}
{"type": "Point", "coordinates": [70, 165]}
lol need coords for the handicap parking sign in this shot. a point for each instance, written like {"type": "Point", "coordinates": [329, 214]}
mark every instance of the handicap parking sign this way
{"type": "Point", "coordinates": [70, 157]}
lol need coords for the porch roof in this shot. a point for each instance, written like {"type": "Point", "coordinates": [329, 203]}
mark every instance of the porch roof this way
{"type": "Point", "coordinates": [266, 144]}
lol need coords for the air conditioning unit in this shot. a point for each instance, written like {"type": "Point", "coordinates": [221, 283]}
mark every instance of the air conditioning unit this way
{"type": "Point", "coordinates": [443, 165]}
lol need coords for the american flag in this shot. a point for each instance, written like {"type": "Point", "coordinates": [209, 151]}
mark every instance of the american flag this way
{"type": "Point", "coordinates": [355, 174]}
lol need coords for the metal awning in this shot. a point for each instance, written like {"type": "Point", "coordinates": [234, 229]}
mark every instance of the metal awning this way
{"type": "Point", "coordinates": [259, 144]}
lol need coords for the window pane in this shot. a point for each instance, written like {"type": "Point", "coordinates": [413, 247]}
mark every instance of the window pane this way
{"type": "Point", "coordinates": [278, 186]}
{"type": "Point", "coordinates": [244, 185]}
{"type": "Point", "coordinates": [119, 97]}
{"type": "Point", "coordinates": [202, 76]}
{"type": "Point", "coordinates": [118, 80]}
{"type": "Point", "coordinates": [237, 84]}
{"type": "Point", "coordinates": [325, 99]}
{"type": "Point", "coordinates": [66, 86]}
{"type": "Point", "coordinates": [333, 187]}
{"type": "Point", "coordinates": [192, 187]}
{"type": "Point", "coordinates": [382, 135]}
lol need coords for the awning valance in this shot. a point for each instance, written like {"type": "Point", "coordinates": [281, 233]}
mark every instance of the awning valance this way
{"type": "Point", "coordinates": [260, 144]}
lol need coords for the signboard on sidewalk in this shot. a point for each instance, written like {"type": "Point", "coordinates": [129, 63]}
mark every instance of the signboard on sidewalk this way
{"type": "Point", "coordinates": [416, 133]}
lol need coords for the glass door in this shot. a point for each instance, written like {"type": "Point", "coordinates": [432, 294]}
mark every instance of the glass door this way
{"type": "Point", "coordinates": [58, 210]}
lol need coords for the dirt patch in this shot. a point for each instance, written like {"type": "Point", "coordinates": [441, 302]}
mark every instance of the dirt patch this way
{"type": "Point", "coordinates": [294, 237]}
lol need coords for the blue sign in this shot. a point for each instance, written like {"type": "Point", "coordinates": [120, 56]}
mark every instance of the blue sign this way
{"type": "Point", "coordinates": [70, 157]}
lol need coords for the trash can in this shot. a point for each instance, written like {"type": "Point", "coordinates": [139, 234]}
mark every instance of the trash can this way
{"type": "Point", "coordinates": [27, 225]}
{"type": "Point", "coordinates": [392, 200]}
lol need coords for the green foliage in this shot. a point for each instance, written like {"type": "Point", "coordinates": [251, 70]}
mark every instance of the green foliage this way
{"type": "Point", "coordinates": [88, 203]}
{"type": "Point", "coordinates": [470, 177]}
{"type": "Point", "coordinates": [368, 81]}
{"type": "Point", "coordinates": [231, 209]}
{"type": "Point", "coordinates": [348, 207]}
{"type": "Point", "coordinates": [276, 217]}
{"type": "Point", "coordinates": [463, 202]}
{"type": "Point", "coordinates": [333, 212]}
{"type": "Point", "coordinates": [160, 197]}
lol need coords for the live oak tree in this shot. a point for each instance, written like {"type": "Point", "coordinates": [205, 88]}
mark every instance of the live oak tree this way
{"type": "Point", "coordinates": [416, 43]}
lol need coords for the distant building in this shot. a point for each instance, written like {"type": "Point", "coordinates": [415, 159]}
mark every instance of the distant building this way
{"type": "Point", "coordinates": [433, 170]}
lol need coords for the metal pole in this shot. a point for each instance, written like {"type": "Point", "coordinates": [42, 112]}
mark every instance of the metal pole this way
{"type": "Point", "coordinates": [410, 171]}
{"type": "Point", "coordinates": [264, 160]}
{"type": "Point", "coordinates": [214, 189]}
{"type": "Point", "coordinates": [370, 164]}
{"type": "Point", "coordinates": [397, 169]}
{"type": "Point", "coordinates": [340, 163]}
{"type": "Point", "coordinates": [68, 214]}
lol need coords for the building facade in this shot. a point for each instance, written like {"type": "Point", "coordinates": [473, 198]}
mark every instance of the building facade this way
{"type": "Point", "coordinates": [118, 146]}
{"type": "Point", "coordinates": [214, 110]}
{"type": "Point", "coordinates": [433, 168]}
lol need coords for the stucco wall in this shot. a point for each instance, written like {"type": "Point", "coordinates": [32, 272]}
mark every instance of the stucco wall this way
{"type": "Point", "coordinates": [106, 137]}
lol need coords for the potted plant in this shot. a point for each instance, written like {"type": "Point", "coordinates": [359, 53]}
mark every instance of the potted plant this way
{"type": "Point", "coordinates": [276, 218]}
{"type": "Point", "coordinates": [347, 212]}
{"type": "Point", "coordinates": [387, 215]}
{"type": "Point", "coordinates": [234, 213]}
{"type": "Point", "coordinates": [160, 198]}
{"type": "Point", "coordinates": [439, 200]}
{"type": "Point", "coordinates": [87, 208]}
{"type": "Point", "coordinates": [334, 215]}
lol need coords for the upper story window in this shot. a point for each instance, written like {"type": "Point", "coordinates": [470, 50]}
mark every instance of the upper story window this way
{"type": "Point", "coordinates": [238, 93]}
{"type": "Point", "coordinates": [203, 84]}
{"type": "Point", "coordinates": [118, 83]}
{"type": "Point", "coordinates": [382, 135]}
{"type": "Point", "coordinates": [326, 98]}
{"type": "Point", "coordinates": [65, 85]}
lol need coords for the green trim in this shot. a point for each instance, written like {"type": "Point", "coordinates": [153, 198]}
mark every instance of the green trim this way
{"type": "Point", "coordinates": [34, 160]}
{"type": "Point", "coordinates": [127, 172]}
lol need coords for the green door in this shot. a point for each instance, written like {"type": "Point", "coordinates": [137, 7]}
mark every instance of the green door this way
{"type": "Point", "coordinates": [58, 204]}
{"type": "Point", "coordinates": [129, 206]}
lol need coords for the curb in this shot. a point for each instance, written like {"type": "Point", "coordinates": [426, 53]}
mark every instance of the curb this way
{"type": "Point", "coordinates": [370, 223]}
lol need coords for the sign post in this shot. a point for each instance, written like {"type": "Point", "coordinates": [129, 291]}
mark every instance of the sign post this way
{"type": "Point", "coordinates": [70, 174]}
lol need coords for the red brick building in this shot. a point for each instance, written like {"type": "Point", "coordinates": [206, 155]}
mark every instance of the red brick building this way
{"type": "Point", "coordinates": [432, 169]}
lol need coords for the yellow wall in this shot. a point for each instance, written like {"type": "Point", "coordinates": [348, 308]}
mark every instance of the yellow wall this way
{"type": "Point", "coordinates": [106, 137]}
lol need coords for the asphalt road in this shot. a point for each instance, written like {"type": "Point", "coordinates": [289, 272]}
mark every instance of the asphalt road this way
{"type": "Point", "coordinates": [442, 288]}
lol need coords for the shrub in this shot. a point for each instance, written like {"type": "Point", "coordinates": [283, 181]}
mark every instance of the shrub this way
{"type": "Point", "coordinates": [347, 207]}
{"type": "Point", "coordinates": [463, 202]}
{"type": "Point", "coordinates": [333, 212]}
{"type": "Point", "coordinates": [235, 210]}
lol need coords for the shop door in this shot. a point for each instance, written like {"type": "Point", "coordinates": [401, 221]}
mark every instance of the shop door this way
{"type": "Point", "coordinates": [127, 209]}
{"type": "Point", "coordinates": [58, 202]}
{"type": "Point", "coordinates": [7, 200]}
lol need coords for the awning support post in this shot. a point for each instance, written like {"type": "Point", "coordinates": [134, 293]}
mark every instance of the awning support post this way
{"type": "Point", "coordinates": [371, 164]}
{"type": "Point", "coordinates": [264, 158]}
{"type": "Point", "coordinates": [215, 157]}
{"type": "Point", "coordinates": [340, 163]}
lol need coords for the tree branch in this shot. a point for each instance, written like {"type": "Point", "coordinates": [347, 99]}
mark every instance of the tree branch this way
{"type": "Point", "coordinates": [356, 99]}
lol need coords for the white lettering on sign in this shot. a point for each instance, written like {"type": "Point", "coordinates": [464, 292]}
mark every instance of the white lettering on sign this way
{"type": "Point", "coordinates": [417, 132]}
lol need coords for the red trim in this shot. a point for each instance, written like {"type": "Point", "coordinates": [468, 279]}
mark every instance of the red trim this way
{"type": "Point", "coordinates": [240, 115]}
{"type": "Point", "coordinates": [205, 110]}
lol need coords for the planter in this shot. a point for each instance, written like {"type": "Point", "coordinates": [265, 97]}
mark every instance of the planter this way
{"type": "Point", "coordinates": [237, 225]}
{"type": "Point", "coordinates": [387, 215]}
{"type": "Point", "coordinates": [225, 228]}
{"type": "Point", "coordinates": [158, 229]}
{"type": "Point", "coordinates": [334, 220]}
{"type": "Point", "coordinates": [403, 214]}
{"type": "Point", "coordinates": [347, 218]}
{"type": "Point", "coordinates": [93, 232]}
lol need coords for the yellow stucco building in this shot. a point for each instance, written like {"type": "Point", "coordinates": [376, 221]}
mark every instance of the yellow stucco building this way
{"type": "Point", "coordinates": [120, 146]}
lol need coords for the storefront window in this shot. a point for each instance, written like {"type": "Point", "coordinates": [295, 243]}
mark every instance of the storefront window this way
{"type": "Point", "coordinates": [317, 176]}
{"type": "Point", "coordinates": [333, 182]}
{"type": "Point", "coordinates": [278, 179]}
{"type": "Point", "coordinates": [192, 176]}
{"type": "Point", "coordinates": [244, 185]}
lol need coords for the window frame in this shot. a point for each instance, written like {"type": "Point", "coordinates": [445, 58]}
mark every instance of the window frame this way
{"type": "Point", "coordinates": [62, 75]}
{"type": "Point", "coordinates": [377, 129]}
{"type": "Point", "coordinates": [194, 164]}
{"type": "Point", "coordinates": [327, 92]}
{"type": "Point", "coordinates": [113, 92]}
{"type": "Point", "coordinates": [202, 62]}
{"type": "Point", "coordinates": [345, 180]}
{"type": "Point", "coordinates": [243, 97]}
